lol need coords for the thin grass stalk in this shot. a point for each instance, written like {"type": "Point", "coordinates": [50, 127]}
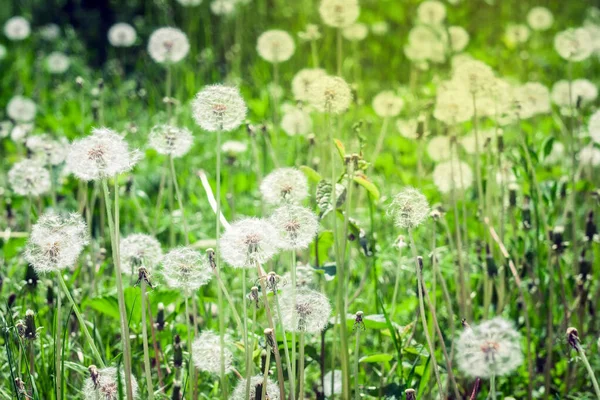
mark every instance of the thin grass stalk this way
{"type": "Point", "coordinates": [218, 262]}
{"type": "Point", "coordinates": [190, 333]}
{"type": "Point", "coordinates": [285, 346]}
{"type": "Point", "coordinates": [147, 370]}
{"type": "Point", "coordinates": [57, 347]}
{"type": "Point", "coordinates": [461, 267]}
{"type": "Point", "coordinates": [179, 201]}
{"type": "Point", "coordinates": [248, 353]}
{"type": "Point", "coordinates": [301, 368]}
{"type": "Point", "coordinates": [294, 289]}
{"type": "Point", "coordinates": [573, 151]}
{"type": "Point", "coordinates": [356, 360]}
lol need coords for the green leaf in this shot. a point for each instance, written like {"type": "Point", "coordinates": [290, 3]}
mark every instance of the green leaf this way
{"type": "Point", "coordinates": [369, 186]}
{"type": "Point", "coordinates": [107, 305]}
{"type": "Point", "coordinates": [376, 358]}
{"type": "Point", "coordinates": [310, 173]}
{"type": "Point", "coordinates": [320, 249]}
{"type": "Point", "coordinates": [547, 146]}
{"type": "Point", "coordinates": [340, 148]}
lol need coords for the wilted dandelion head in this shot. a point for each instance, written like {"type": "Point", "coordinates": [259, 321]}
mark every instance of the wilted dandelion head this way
{"type": "Point", "coordinates": [249, 241]}
{"type": "Point", "coordinates": [387, 104]}
{"type": "Point", "coordinates": [409, 208]}
{"type": "Point", "coordinates": [336, 377]}
{"type": "Point", "coordinates": [234, 147]}
{"type": "Point", "coordinates": [452, 175]}
{"type": "Point", "coordinates": [168, 45]}
{"type": "Point", "coordinates": [339, 13]}
{"type": "Point", "coordinates": [297, 226]}
{"type": "Point", "coordinates": [21, 109]}
{"type": "Point", "coordinates": [170, 140]}
{"type": "Point", "coordinates": [492, 348]}
{"type": "Point", "coordinates": [459, 38]}
{"type": "Point", "coordinates": [56, 241]}
{"type": "Point", "coordinates": [29, 178]}
{"type": "Point", "coordinates": [330, 94]}
{"type": "Point", "coordinates": [57, 62]}
{"type": "Point", "coordinates": [296, 122]}
{"type": "Point", "coordinates": [104, 384]}
{"type": "Point", "coordinates": [303, 80]}
{"type": "Point", "coordinates": [47, 150]}
{"type": "Point", "coordinates": [355, 32]}
{"type": "Point", "coordinates": [475, 76]}
{"type": "Point", "coordinates": [310, 314]}
{"type": "Point", "coordinates": [103, 154]}
{"type": "Point", "coordinates": [574, 44]}
{"type": "Point", "coordinates": [139, 250]}
{"type": "Point", "coordinates": [540, 18]}
{"type": "Point", "coordinates": [594, 127]}
{"type": "Point", "coordinates": [219, 108]}
{"type": "Point", "coordinates": [17, 29]}
{"type": "Point", "coordinates": [284, 185]}
{"type": "Point", "coordinates": [122, 34]}
{"type": "Point", "coordinates": [589, 156]}
{"type": "Point", "coordinates": [206, 353]}
{"type": "Point", "coordinates": [431, 12]}
{"type": "Point", "coordinates": [275, 46]}
{"type": "Point", "coordinates": [185, 268]}
{"type": "Point", "coordinates": [453, 105]}
{"type": "Point", "coordinates": [239, 393]}
{"type": "Point", "coordinates": [440, 148]}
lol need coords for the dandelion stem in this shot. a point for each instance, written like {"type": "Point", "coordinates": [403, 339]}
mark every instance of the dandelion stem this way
{"type": "Point", "coordinates": [356, 358]}
{"type": "Point", "coordinates": [218, 262]}
{"type": "Point", "coordinates": [589, 369]}
{"type": "Point", "coordinates": [147, 369]}
{"type": "Point", "coordinates": [285, 347]}
{"type": "Point", "coordinates": [57, 347]}
{"type": "Point", "coordinates": [301, 368]}
{"type": "Point", "coordinates": [266, 374]}
{"type": "Point", "coordinates": [294, 289]}
{"type": "Point", "coordinates": [190, 333]}
{"type": "Point", "coordinates": [248, 352]}
{"type": "Point", "coordinates": [229, 299]}
{"type": "Point", "coordinates": [179, 201]}
{"type": "Point", "coordinates": [493, 387]}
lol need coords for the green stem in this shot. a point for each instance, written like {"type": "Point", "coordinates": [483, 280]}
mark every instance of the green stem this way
{"type": "Point", "coordinates": [285, 346]}
{"type": "Point", "coordinates": [246, 349]}
{"type": "Point", "coordinates": [589, 370]}
{"type": "Point", "coordinates": [57, 347]}
{"type": "Point", "coordinates": [339, 51]}
{"type": "Point", "coordinates": [493, 387]}
{"type": "Point", "coordinates": [179, 201]}
{"type": "Point", "coordinates": [294, 289]}
{"type": "Point", "coordinates": [190, 333]}
{"type": "Point", "coordinates": [147, 370]}
{"type": "Point", "coordinates": [356, 358]}
{"type": "Point", "coordinates": [218, 262]}
{"type": "Point", "coordinates": [301, 368]}
{"type": "Point", "coordinates": [266, 374]}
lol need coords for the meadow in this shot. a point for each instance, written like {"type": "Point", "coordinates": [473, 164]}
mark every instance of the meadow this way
{"type": "Point", "coordinates": [309, 199]}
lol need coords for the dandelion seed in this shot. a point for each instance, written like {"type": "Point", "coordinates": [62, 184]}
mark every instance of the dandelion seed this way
{"type": "Point", "coordinates": [239, 393]}
{"type": "Point", "coordinates": [355, 32]}
{"type": "Point", "coordinates": [330, 94]}
{"type": "Point", "coordinates": [46, 150]}
{"type": "Point", "coordinates": [303, 81]}
{"type": "Point", "coordinates": [56, 241]}
{"type": "Point", "coordinates": [297, 226]}
{"type": "Point", "coordinates": [492, 348]}
{"type": "Point", "coordinates": [29, 178]}
{"type": "Point", "coordinates": [170, 140]}
{"type": "Point", "coordinates": [57, 62]}
{"type": "Point", "coordinates": [249, 241]}
{"type": "Point", "coordinates": [206, 353]}
{"type": "Point", "coordinates": [168, 45]}
{"type": "Point", "coordinates": [218, 107]}
{"type": "Point", "coordinates": [449, 175]}
{"type": "Point", "coordinates": [139, 250]}
{"type": "Point", "coordinates": [540, 18]}
{"type": "Point", "coordinates": [573, 44]}
{"type": "Point", "coordinates": [275, 46]}
{"type": "Point", "coordinates": [104, 384]}
{"type": "Point", "coordinates": [339, 13]}
{"type": "Point", "coordinates": [21, 109]}
{"type": "Point", "coordinates": [387, 104]}
{"type": "Point", "coordinates": [186, 269]}
{"type": "Point", "coordinates": [284, 185]}
{"type": "Point", "coordinates": [296, 122]}
{"type": "Point", "coordinates": [122, 34]}
{"type": "Point", "coordinates": [103, 154]}
{"type": "Point", "coordinates": [409, 208]}
{"type": "Point", "coordinates": [309, 314]}
{"type": "Point", "coordinates": [17, 29]}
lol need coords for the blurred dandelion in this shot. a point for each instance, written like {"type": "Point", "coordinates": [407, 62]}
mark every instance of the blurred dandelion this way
{"type": "Point", "coordinates": [275, 46]}
{"type": "Point", "coordinates": [304, 80]}
{"type": "Point", "coordinates": [170, 140]}
{"type": "Point", "coordinates": [207, 353]}
{"type": "Point", "coordinates": [540, 18]}
{"type": "Point", "coordinates": [122, 35]}
{"type": "Point", "coordinates": [310, 313]}
{"type": "Point", "coordinates": [256, 383]}
{"type": "Point", "coordinates": [105, 384]}
{"type": "Point", "coordinates": [185, 268]}
{"type": "Point", "coordinates": [339, 13]}
{"type": "Point", "coordinates": [387, 104]}
{"type": "Point", "coordinates": [168, 45]}
{"type": "Point", "coordinates": [29, 178]}
{"type": "Point", "coordinates": [47, 150]}
{"type": "Point", "coordinates": [17, 29]}
{"type": "Point", "coordinates": [139, 250]}
{"type": "Point", "coordinates": [284, 185]}
{"type": "Point", "coordinates": [574, 44]}
{"type": "Point", "coordinates": [21, 109]}
{"type": "Point", "coordinates": [452, 175]}
{"type": "Point", "coordinates": [409, 208]}
{"type": "Point", "coordinates": [330, 94]}
{"type": "Point", "coordinates": [57, 62]}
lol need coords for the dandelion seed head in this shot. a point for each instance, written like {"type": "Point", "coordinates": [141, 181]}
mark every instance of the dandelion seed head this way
{"type": "Point", "coordinates": [310, 33]}
{"type": "Point", "coordinates": [589, 156]}
{"type": "Point", "coordinates": [574, 44]}
{"type": "Point", "coordinates": [303, 81]}
{"type": "Point", "coordinates": [408, 128]}
{"type": "Point", "coordinates": [49, 32]}
{"type": "Point", "coordinates": [20, 132]}
{"type": "Point", "coordinates": [533, 99]}
{"type": "Point", "coordinates": [296, 122]}
{"type": "Point", "coordinates": [304, 275]}
{"type": "Point", "coordinates": [330, 94]}
{"type": "Point", "coordinates": [206, 353]}
{"type": "Point", "coordinates": [297, 226]}
{"type": "Point", "coordinates": [249, 241]}
{"type": "Point", "coordinates": [452, 105]}
{"type": "Point", "coordinates": [492, 348]}
{"type": "Point", "coordinates": [139, 250]}
{"type": "Point", "coordinates": [475, 76]}
{"type": "Point", "coordinates": [103, 154]}
{"type": "Point", "coordinates": [409, 208]}
{"type": "Point", "coordinates": [29, 178]}
{"type": "Point", "coordinates": [239, 393]}
{"type": "Point", "coordinates": [17, 29]}
{"type": "Point", "coordinates": [275, 46]}
{"type": "Point", "coordinates": [337, 377]}
{"type": "Point", "coordinates": [219, 107]}
{"type": "Point", "coordinates": [355, 32]}
{"type": "Point", "coordinates": [339, 13]}
{"type": "Point", "coordinates": [168, 45]}
{"type": "Point", "coordinates": [170, 140]}
{"type": "Point", "coordinates": [223, 7]}
{"type": "Point", "coordinates": [594, 127]}
{"type": "Point", "coordinates": [582, 91]}
{"type": "Point", "coordinates": [57, 62]}
{"type": "Point", "coordinates": [21, 109]}
{"type": "Point", "coordinates": [449, 175]}
{"type": "Point", "coordinates": [380, 28]}
{"type": "Point", "coordinates": [47, 150]}
{"type": "Point", "coordinates": [122, 34]}
{"type": "Point", "coordinates": [540, 18]}
{"type": "Point", "coordinates": [5, 128]}
{"type": "Point", "coordinates": [440, 148]}
{"type": "Point", "coordinates": [56, 241]}
{"type": "Point", "coordinates": [459, 38]}
{"type": "Point", "coordinates": [387, 104]}
{"type": "Point", "coordinates": [234, 147]}
{"type": "Point", "coordinates": [516, 34]}
{"type": "Point", "coordinates": [185, 268]}
{"type": "Point", "coordinates": [310, 314]}
{"type": "Point", "coordinates": [431, 12]}
{"type": "Point", "coordinates": [107, 385]}
{"type": "Point", "coordinates": [284, 185]}
{"type": "Point", "coordinates": [426, 43]}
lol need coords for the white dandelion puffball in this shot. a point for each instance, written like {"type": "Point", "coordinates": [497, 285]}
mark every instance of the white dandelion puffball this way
{"type": "Point", "coordinates": [297, 226]}
{"type": "Point", "coordinates": [516, 33]}
{"type": "Point", "coordinates": [431, 12]}
{"type": "Point", "coordinates": [330, 94]}
{"type": "Point", "coordinates": [556, 155]}
{"type": "Point", "coordinates": [574, 44]}
{"type": "Point", "coordinates": [223, 7]}
{"type": "Point", "coordinates": [249, 241]}
{"type": "Point", "coordinates": [310, 33]}
{"type": "Point", "coordinates": [206, 353]}
{"type": "Point", "coordinates": [310, 314]}
{"type": "Point", "coordinates": [122, 34]}
{"type": "Point", "coordinates": [594, 127]}
{"type": "Point", "coordinates": [408, 128]}
{"type": "Point", "coordinates": [387, 104]}
{"type": "Point", "coordinates": [452, 175]}
{"type": "Point", "coordinates": [219, 108]}
{"type": "Point", "coordinates": [234, 147]}
{"type": "Point", "coordinates": [459, 38]}
{"type": "Point", "coordinates": [239, 393]}
{"type": "Point", "coordinates": [453, 105]}
{"type": "Point", "coordinates": [339, 13]}
{"type": "Point", "coordinates": [185, 268]}
{"type": "Point", "coordinates": [21, 109]}
{"type": "Point", "coordinates": [107, 385]}
{"type": "Point", "coordinates": [17, 29]}
{"type": "Point", "coordinates": [441, 148]}
{"type": "Point", "coordinates": [47, 150]}
{"type": "Point", "coordinates": [57, 62]}
{"type": "Point", "coordinates": [101, 155]}
{"type": "Point", "coordinates": [492, 348]}
{"type": "Point", "coordinates": [475, 76]}
{"type": "Point", "coordinates": [409, 208]}
{"type": "Point", "coordinates": [56, 241]}
{"type": "Point", "coordinates": [589, 156]}
{"type": "Point", "coordinates": [275, 46]}
{"type": "Point", "coordinates": [139, 250]}
{"type": "Point", "coordinates": [303, 81]}
{"type": "Point", "coordinates": [20, 131]}
{"type": "Point", "coordinates": [284, 185]}
{"type": "Point", "coordinates": [470, 142]}
{"type": "Point", "coordinates": [170, 140]}
{"type": "Point", "coordinates": [380, 28]}
{"type": "Point", "coordinates": [540, 18]}
{"type": "Point", "coordinates": [189, 3]}
{"type": "Point", "coordinates": [29, 178]}
{"type": "Point", "coordinates": [168, 45]}
{"type": "Point", "coordinates": [49, 32]}
{"type": "Point", "coordinates": [355, 32]}
{"type": "Point", "coordinates": [581, 90]}
{"type": "Point", "coordinates": [296, 122]}
{"type": "Point", "coordinates": [337, 377]}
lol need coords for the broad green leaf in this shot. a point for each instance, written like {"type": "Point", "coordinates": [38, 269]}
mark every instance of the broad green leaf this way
{"type": "Point", "coordinates": [310, 173]}
{"type": "Point", "coordinates": [369, 186]}
{"type": "Point", "coordinates": [376, 358]}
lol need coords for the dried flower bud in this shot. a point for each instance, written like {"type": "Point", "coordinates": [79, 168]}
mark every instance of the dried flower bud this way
{"type": "Point", "coordinates": [557, 236]}
{"type": "Point", "coordinates": [590, 226]}
{"type": "Point", "coordinates": [492, 269]}
{"type": "Point", "coordinates": [176, 391]}
{"type": "Point", "coordinates": [30, 331]}
{"type": "Point", "coordinates": [11, 300]}
{"type": "Point", "coordinates": [49, 294]}
{"type": "Point", "coordinates": [411, 394]}
{"type": "Point", "coordinates": [573, 338]}
{"type": "Point", "coordinates": [160, 317]}
{"type": "Point", "coordinates": [269, 338]}
{"type": "Point", "coordinates": [177, 352]}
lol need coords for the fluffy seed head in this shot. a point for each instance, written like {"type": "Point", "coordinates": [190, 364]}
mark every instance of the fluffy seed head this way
{"type": "Point", "coordinates": [449, 175]}
{"type": "Point", "coordinates": [55, 242]}
{"type": "Point", "coordinates": [189, 3]}
{"type": "Point", "coordinates": [581, 90]}
{"type": "Point", "coordinates": [105, 385]}
{"type": "Point", "coordinates": [47, 150]}
{"type": "Point", "coordinates": [139, 250]}
{"type": "Point", "coordinates": [409, 208]}
{"type": "Point", "coordinates": [303, 80]}
{"type": "Point", "coordinates": [17, 29]}
{"type": "Point", "coordinates": [249, 241]}
{"type": "Point", "coordinates": [440, 148]}
{"type": "Point", "coordinates": [355, 32]}
{"type": "Point", "coordinates": [284, 185]}
{"type": "Point", "coordinates": [275, 46]}
{"type": "Point", "coordinates": [475, 76]}
{"type": "Point", "coordinates": [330, 94]}
{"type": "Point", "coordinates": [168, 45]}
{"type": "Point", "coordinates": [185, 268]}
{"type": "Point", "coordinates": [206, 353]}
{"type": "Point", "coordinates": [431, 12]}
{"type": "Point", "coordinates": [589, 156]}
{"type": "Point", "coordinates": [336, 377]}
{"type": "Point", "coordinates": [492, 348]}
{"type": "Point", "coordinates": [297, 226]}
{"type": "Point", "coordinates": [122, 34]}
{"type": "Point", "coordinates": [573, 44]}
{"type": "Point", "coordinates": [296, 122]}
{"type": "Point", "coordinates": [533, 99]}
{"type": "Point", "coordinates": [594, 127]}
{"type": "Point", "coordinates": [239, 393]}
{"type": "Point", "coordinates": [452, 104]}
{"type": "Point", "coordinates": [219, 107]}
{"type": "Point", "coordinates": [223, 7]}
{"type": "Point", "coordinates": [103, 154]}
{"type": "Point", "coordinates": [29, 178]}
{"type": "Point", "coordinates": [459, 38]}
{"type": "Point", "coordinates": [170, 140]}
{"type": "Point", "coordinates": [310, 314]}
{"type": "Point", "coordinates": [339, 13]}
{"type": "Point", "coordinates": [387, 104]}
{"type": "Point", "coordinates": [21, 109]}
{"type": "Point", "coordinates": [57, 62]}
{"type": "Point", "coordinates": [234, 147]}
{"type": "Point", "coordinates": [540, 18]}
